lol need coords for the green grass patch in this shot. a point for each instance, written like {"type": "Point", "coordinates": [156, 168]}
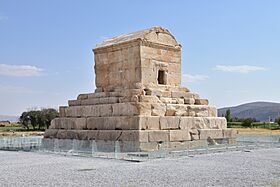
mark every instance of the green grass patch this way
{"type": "Point", "coordinates": [261, 125]}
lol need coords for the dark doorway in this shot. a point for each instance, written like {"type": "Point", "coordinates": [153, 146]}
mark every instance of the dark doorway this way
{"type": "Point", "coordinates": [161, 77]}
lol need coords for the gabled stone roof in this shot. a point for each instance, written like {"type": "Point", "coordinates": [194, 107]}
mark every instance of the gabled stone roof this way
{"type": "Point", "coordinates": [155, 35]}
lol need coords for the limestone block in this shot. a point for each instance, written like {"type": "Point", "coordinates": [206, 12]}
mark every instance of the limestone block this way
{"type": "Point", "coordinates": [109, 135]}
{"type": "Point", "coordinates": [221, 123]}
{"type": "Point", "coordinates": [74, 102]}
{"type": "Point", "coordinates": [67, 134]}
{"type": "Point", "coordinates": [124, 109]}
{"type": "Point", "coordinates": [91, 101]}
{"type": "Point", "coordinates": [82, 96]}
{"type": "Point", "coordinates": [179, 135]}
{"type": "Point", "coordinates": [149, 99]}
{"type": "Point", "coordinates": [97, 95]}
{"type": "Point", "coordinates": [50, 133]}
{"type": "Point", "coordinates": [82, 134]}
{"type": "Point", "coordinates": [186, 122]}
{"type": "Point", "coordinates": [134, 135]}
{"type": "Point", "coordinates": [176, 109]}
{"type": "Point", "coordinates": [92, 134]}
{"type": "Point", "coordinates": [209, 123]}
{"type": "Point", "coordinates": [112, 100]}
{"type": "Point", "coordinates": [213, 112]}
{"type": "Point", "coordinates": [62, 111]}
{"type": "Point", "coordinates": [105, 110]}
{"type": "Point", "coordinates": [158, 109]}
{"type": "Point", "coordinates": [116, 94]}
{"type": "Point", "coordinates": [89, 111]}
{"type": "Point", "coordinates": [113, 123]}
{"type": "Point", "coordinates": [170, 110]}
{"type": "Point", "coordinates": [98, 123]}
{"type": "Point", "coordinates": [181, 94]}
{"type": "Point", "coordinates": [181, 110]}
{"type": "Point", "coordinates": [198, 123]}
{"type": "Point", "coordinates": [161, 93]}
{"type": "Point", "coordinates": [189, 101]}
{"type": "Point", "coordinates": [103, 100]}
{"type": "Point", "coordinates": [198, 110]}
{"type": "Point", "coordinates": [169, 122]}
{"type": "Point", "coordinates": [230, 133]}
{"type": "Point", "coordinates": [166, 100]}
{"type": "Point", "coordinates": [69, 123]}
{"type": "Point", "coordinates": [150, 123]}
{"type": "Point", "coordinates": [144, 109]}
{"type": "Point", "coordinates": [158, 136]}
{"type": "Point", "coordinates": [97, 90]}
{"type": "Point", "coordinates": [201, 101]}
{"type": "Point", "coordinates": [179, 101]}
{"type": "Point", "coordinates": [124, 122]}
{"type": "Point", "coordinates": [204, 134]}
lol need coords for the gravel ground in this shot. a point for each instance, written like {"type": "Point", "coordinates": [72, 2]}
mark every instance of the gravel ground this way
{"type": "Point", "coordinates": [255, 168]}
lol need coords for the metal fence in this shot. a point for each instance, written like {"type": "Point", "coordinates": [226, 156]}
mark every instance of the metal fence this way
{"type": "Point", "coordinates": [105, 149]}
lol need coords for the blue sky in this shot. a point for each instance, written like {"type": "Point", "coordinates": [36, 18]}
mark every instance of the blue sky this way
{"type": "Point", "coordinates": [230, 51]}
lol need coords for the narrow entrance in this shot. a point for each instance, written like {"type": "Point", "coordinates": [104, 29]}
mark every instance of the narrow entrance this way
{"type": "Point", "coordinates": [161, 77]}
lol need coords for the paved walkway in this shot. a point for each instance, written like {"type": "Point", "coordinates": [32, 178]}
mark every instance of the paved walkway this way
{"type": "Point", "coordinates": [255, 168]}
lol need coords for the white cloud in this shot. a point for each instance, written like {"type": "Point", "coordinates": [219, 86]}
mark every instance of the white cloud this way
{"type": "Point", "coordinates": [239, 69]}
{"type": "Point", "coordinates": [194, 78]}
{"type": "Point", "coordinates": [19, 70]}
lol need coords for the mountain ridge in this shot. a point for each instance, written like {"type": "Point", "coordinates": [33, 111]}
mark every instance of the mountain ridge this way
{"type": "Point", "coordinates": [262, 111]}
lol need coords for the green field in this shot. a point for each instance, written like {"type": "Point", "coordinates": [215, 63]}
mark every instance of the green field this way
{"type": "Point", "coordinates": [261, 125]}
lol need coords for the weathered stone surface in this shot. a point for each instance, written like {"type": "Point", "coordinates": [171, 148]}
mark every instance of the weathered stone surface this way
{"type": "Point", "coordinates": [74, 102]}
{"type": "Point", "coordinates": [138, 100]}
{"type": "Point", "coordinates": [201, 101]}
{"type": "Point", "coordinates": [125, 109]}
{"type": "Point", "coordinates": [204, 134]}
{"type": "Point", "coordinates": [158, 136]}
{"type": "Point", "coordinates": [230, 133]}
{"type": "Point", "coordinates": [186, 123]}
{"type": "Point", "coordinates": [134, 135]}
{"type": "Point", "coordinates": [189, 101]}
{"type": "Point", "coordinates": [62, 112]}
{"type": "Point", "coordinates": [51, 133]}
{"type": "Point", "coordinates": [158, 109]}
{"type": "Point", "coordinates": [179, 135]}
{"type": "Point", "coordinates": [167, 123]}
{"type": "Point", "coordinates": [68, 123]}
{"type": "Point", "coordinates": [149, 123]}
{"type": "Point", "coordinates": [109, 135]}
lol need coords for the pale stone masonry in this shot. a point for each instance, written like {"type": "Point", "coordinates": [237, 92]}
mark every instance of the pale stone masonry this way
{"type": "Point", "coordinates": [139, 101]}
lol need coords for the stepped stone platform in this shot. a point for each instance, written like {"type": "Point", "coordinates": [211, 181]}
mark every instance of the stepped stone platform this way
{"type": "Point", "coordinates": [139, 101]}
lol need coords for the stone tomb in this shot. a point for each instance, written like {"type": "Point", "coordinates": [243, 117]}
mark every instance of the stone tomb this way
{"type": "Point", "coordinates": [139, 101]}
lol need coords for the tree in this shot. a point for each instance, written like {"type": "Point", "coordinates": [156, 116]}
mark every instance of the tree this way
{"type": "Point", "coordinates": [228, 115]}
{"type": "Point", "coordinates": [24, 120]}
{"type": "Point", "coordinates": [48, 115]}
{"type": "Point", "coordinates": [247, 122]}
{"type": "Point", "coordinates": [277, 120]}
{"type": "Point", "coordinates": [38, 118]}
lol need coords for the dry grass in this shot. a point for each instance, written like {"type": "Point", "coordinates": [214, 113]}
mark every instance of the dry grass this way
{"type": "Point", "coordinates": [258, 131]}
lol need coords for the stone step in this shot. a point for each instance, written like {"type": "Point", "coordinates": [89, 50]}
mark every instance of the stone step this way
{"type": "Point", "coordinates": [140, 135]}
{"type": "Point", "coordinates": [138, 108]}
{"type": "Point", "coordinates": [139, 123]}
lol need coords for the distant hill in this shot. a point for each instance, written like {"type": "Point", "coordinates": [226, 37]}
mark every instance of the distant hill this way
{"type": "Point", "coordinates": [259, 110]}
{"type": "Point", "coordinates": [9, 118]}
